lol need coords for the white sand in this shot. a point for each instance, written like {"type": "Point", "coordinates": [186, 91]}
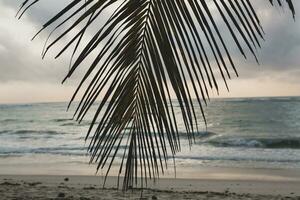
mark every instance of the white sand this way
{"type": "Point", "coordinates": [215, 183]}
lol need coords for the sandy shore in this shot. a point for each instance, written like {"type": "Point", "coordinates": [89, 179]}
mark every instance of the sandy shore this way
{"type": "Point", "coordinates": [214, 184]}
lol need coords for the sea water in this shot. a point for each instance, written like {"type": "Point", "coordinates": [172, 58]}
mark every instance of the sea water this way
{"type": "Point", "coordinates": [42, 138]}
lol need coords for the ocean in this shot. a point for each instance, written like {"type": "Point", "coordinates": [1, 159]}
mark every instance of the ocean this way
{"type": "Point", "coordinates": [41, 138]}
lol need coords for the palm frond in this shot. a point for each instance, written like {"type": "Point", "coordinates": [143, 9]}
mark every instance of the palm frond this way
{"type": "Point", "coordinates": [144, 51]}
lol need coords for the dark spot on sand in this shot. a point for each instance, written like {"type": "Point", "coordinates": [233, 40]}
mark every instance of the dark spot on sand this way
{"type": "Point", "coordinates": [61, 195]}
{"type": "Point", "coordinates": [34, 183]}
{"type": "Point", "coordinates": [89, 188]}
{"type": "Point", "coordinates": [154, 197]}
{"type": "Point", "coordinates": [84, 198]}
{"type": "Point", "coordinates": [62, 186]}
{"type": "Point", "coordinates": [66, 179]}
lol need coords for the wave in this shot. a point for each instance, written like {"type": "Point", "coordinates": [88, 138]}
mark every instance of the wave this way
{"type": "Point", "coordinates": [198, 135]}
{"type": "Point", "coordinates": [61, 120]}
{"type": "Point", "coordinates": [45, 150]}
{"type": "Point", "coordinates": [274, 143]}
{"type": "Point", "coordinates": [15, 120]}
{"type": "Point", "coordinates": [69, 124]}
{"type": "Point", "coordinates": [9, 120]}
{"type": "Point", "coordinates": [60, 150]}
{"type": "Point", "coordinates": [15, 105]}
{"type": "Point", "coordinates": [4, 132]}
{"type": "Point", "coordinates": [182, 135]}
{"type": "Point", "coordinates": [75, 123]}
{"type": "Point", "coordinates": [258, 99]}
{"type": "Point", "coordinates": [27, 133]}
{"type": "Point", "coordinates": [48, 132]}
{"type": "Point", "coordinates": [233, 158]}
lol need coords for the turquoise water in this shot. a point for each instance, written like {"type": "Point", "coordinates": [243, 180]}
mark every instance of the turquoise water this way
{"type": "Point", "coordinates": [244, 132]}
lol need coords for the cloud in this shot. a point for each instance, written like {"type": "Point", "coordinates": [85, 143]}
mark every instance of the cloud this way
{"type": "Point", "coordinates": [20, 59]}
{"type": "Point", "coordinates": [281, 46]}
{"type": "Point", "coordinates": [40, 13]}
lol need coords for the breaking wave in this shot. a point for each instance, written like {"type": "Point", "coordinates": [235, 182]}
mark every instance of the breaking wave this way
{"type": "Point", "coordinates": [287, 143]}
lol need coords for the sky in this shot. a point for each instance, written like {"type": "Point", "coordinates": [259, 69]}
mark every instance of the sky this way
{"type": "Point", "coordinates": [25, 77]}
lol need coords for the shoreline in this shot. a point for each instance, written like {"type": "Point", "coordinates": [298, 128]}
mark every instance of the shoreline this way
{"type": "Point", "coordinates": [234, 184]}
{"type": "Point", "coordinates": [182, 172]}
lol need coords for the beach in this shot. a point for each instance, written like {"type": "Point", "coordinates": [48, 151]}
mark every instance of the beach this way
{"type": "Point", "coordinates": [151, 107]}
{"type": "Point", "coordinates": [215, 183]}
{"type": "Point", "coordinates": [248, 151]}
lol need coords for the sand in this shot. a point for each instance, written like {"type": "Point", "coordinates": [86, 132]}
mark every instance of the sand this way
{"type": "Point", "coordinates": [216, 184]}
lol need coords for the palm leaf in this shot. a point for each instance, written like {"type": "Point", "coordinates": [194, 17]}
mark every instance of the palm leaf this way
{"type": "Point", "coordinates": [143, 51]}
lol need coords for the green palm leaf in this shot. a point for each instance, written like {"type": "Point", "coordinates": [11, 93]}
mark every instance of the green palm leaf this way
{"type": "Point", "coordinates": [144, 51]}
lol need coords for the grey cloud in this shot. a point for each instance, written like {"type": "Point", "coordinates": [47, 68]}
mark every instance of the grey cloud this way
{"type": "Point", "coordinates": [20, 59]}
{"type": "Point", "coordinates": [281, 49]}
{"type": "Point", "coordinates": [42, 11]}
{"type": "Point", "coordinates": [279, 53]}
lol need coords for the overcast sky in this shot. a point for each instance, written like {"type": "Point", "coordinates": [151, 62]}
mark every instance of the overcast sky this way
{"type": "Point", "coordinates": [25, 77]}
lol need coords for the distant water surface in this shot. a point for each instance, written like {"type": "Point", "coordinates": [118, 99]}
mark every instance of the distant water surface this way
{"type": "Point", "coordinates": [244, 132]}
